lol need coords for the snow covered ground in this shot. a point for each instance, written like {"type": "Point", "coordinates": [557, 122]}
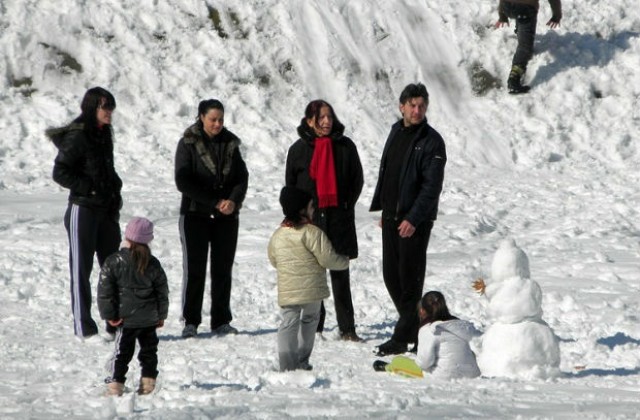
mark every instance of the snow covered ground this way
{"type": "Point", "coordinates": [557, 170]}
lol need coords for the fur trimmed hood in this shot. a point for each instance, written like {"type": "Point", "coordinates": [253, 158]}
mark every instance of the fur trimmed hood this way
{"type": "Point", "coordinates": [56, 134]}
{"type": "Point", "coordinates": [194, 132]}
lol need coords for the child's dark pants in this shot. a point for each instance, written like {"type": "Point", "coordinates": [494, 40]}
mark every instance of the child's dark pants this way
{"type": "Point", "coordinates": [126, 346]}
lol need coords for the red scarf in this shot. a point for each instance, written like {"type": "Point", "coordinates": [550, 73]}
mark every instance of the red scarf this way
{"type": "Point", "coordinates": [323, 172]}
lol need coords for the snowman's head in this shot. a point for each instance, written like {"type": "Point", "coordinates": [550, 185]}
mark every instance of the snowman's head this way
{"type": "Point", "coordinates": [509, 261]}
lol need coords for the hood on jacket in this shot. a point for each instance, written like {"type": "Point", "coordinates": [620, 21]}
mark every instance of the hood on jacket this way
{"type": "Point", "coordinates": [458, 327]}
{"type": "Point", "coordinates": [56, 134]}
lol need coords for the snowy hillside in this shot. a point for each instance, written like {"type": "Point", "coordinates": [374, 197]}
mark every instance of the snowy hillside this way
{"type": "Point", "coordinates": [556, 169]}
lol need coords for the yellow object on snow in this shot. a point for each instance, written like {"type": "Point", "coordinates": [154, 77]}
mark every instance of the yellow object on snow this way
{"type": "Point", "coordinates": [404, 366]}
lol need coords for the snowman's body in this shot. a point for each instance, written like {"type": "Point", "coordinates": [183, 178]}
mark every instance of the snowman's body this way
{"type": "Point", "coordinates": [519, 343]}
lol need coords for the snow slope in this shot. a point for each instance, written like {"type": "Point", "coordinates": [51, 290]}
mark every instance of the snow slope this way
{"type": "Point", "coordinates": [556, 169]}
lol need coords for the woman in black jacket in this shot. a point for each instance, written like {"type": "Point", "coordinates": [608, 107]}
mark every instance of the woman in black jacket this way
{"type": "Point", "coordinates": [84, 165]}
{"type": "Point", "coordinates": [212, 177]}
{"type": "Point", "coordinates": [325, 164]}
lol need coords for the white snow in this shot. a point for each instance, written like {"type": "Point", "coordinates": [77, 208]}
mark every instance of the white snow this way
{"type": "Point", "coordinates": [556, 170]}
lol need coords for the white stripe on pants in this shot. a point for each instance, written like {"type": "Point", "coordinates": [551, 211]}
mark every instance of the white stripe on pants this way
{"type": "Point", "coordinates": [296, 335]}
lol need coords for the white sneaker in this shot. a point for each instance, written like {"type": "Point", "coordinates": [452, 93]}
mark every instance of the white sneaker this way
{"type": "Point", "coordinates": [225, 329]}
{"type": "Point", "coordinates": [108, 337]}
{"type": "Point", "coordinates": [92, 339]}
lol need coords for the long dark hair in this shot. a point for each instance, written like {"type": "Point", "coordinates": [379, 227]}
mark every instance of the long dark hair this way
{"type": "Point", "coordinates": [313, 111]}
{"type": "Point", "coordinates": [92, 100]}
{"type": "Point", "coordinates": [435, 307]}
{"type": "Point", "coordinates": [140, 254]}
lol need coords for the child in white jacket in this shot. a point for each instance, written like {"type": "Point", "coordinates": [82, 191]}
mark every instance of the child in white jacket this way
{"type": "Point", "coordinates": [443, 344]}
{"type": "Point", "coordinates": [301, 254]}
{"type": "Point", "coordinates": [443, 341]}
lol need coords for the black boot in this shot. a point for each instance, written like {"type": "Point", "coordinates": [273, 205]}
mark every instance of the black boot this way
{"type": "Point", "coordinates": [391, 347]}
{"type": "Point", "coordinates": [514, 83]}
{"type": "Point", "coordinates": [380, 366]}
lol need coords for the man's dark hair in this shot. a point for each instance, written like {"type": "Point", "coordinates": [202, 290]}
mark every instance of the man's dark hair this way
{"type": "Point", "coordinates": [414, 90]}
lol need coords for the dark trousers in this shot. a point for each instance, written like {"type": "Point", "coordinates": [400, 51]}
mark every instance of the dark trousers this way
{"type": "Point", "coordinates": [526, 18]}
{"type": "Point", "coordinates": [205, 238]}
{"type": "Point", "coordinates": [404, 264]}
{"type": "Point", "coordinates": [90, 233]}
{"type": "Point", "coordinates": [341, 288]}
{"type": "Point", "coordinates": [125, 346]}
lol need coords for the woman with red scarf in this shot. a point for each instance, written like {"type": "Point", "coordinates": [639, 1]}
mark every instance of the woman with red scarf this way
{"type": "Point", "coordinates": [325, 164]}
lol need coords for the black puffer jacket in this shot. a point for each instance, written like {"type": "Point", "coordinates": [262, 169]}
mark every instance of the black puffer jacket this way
{"type": "Point", "coordinates": [84, 165]}
{"type": "Point", "coordinates": [421, 178]}
{"type": "Point", "coordinates": [141, 300]}
{"type": "Point", "coordinates": [337, 222]}
{"type": "Point", "coordinates": [210, 170]}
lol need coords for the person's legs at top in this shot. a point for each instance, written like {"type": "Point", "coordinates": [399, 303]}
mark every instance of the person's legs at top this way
{"type": "Point", "coordinates": [525, 28]}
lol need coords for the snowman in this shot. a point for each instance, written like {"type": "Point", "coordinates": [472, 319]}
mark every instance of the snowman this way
{"type": "Point", "coordinates": [519, 344]}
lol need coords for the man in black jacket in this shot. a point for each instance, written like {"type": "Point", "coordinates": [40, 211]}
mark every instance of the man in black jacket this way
{"type": "Point", "coordinates": [408, 190]}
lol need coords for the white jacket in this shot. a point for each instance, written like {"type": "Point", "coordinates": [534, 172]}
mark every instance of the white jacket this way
{"type": "Point", "coordinates": [444, 351]}
{"type": "Point", "coordinates": [302, 255]}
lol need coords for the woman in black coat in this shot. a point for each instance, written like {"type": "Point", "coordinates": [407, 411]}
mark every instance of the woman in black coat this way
{"type": "Point", "coordinates": [84, 165]}
{"type": "Point", "coordinates": [212, 177]}
{"type": "Point", "coordinates": [326, 164]}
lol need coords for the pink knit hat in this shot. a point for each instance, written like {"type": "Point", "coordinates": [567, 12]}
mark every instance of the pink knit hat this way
{"type": "Point", "coordinates": [139, 230]}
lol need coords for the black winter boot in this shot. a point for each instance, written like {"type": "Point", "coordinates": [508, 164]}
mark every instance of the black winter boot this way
{"type": "Point", "coordinates": [380, 366]}
{"type": "Point", "coordinates": [514, 82]}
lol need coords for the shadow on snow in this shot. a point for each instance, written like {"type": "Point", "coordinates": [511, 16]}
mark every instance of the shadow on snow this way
{"type": "Point", "coordinates": [578, 50]}
{"type": "Point", "coordinates": [205, 335]}
{"type": "Point", "coordinates": [619, 339]}
{"type": "Point", "coordinates": [604, 372]}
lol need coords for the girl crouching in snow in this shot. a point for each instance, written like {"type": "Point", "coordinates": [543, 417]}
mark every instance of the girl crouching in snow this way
{"type": "Point", "coordinates": [443, 344]}
{"type": "Point", "coordinates": [301, 254]}
{"type": "Point", "coordinates": [134, 297]}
